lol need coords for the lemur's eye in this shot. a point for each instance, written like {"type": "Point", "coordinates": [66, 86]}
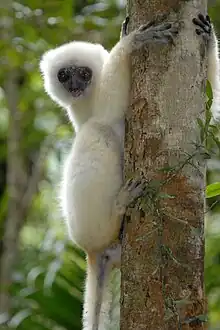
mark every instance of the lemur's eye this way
{"type": "Point", "coordinates": [63, 75]}
{"type": "Point", "coordinates": [85, 73]}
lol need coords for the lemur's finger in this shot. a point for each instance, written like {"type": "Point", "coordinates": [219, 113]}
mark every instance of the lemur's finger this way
{"type": "Point", "coordinates": [146, 26]}
{"type": "Point", "coordinates": [198, 22]}
{"type": "Point", "coordinates": [127, 18]}
{"type": "Point", "coordinates": [198, 31]}
{"type": "Point", "coordinates": [164, 26]}
{"type": "Point", "coordinates": [174, 30]}
{"type": "Point", "coordinates": [169, 37]}
{"type": "Point", "coordinates": [208, 19]}
{"type": "Point", "coordinates": [204, 19]}
{"type": "Point", "coordinates": [204, 23]}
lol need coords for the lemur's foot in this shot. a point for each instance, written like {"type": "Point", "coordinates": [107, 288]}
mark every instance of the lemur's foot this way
{"type": "Point", "coordinates": [109, 258]}
{"type": "Point", "coordinates": [153, 32]}
{"type": "Point", "coordinates": [129, 193]}
{"type": "Point", "coordinates": [124, 28]}
{"type": "Point", "coordinates": [204, 26]}
{"type": "Point", "coordinates": [112, 254]}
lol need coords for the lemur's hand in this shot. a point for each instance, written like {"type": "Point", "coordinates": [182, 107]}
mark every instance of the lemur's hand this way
{"type": "Point", "coordinates": [152, 32]}
{"type": "Point", "coordinates": [204, 27]}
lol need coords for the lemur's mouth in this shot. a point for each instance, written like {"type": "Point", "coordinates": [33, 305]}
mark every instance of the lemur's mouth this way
{"type": "Point", "coordinates": [76, 92]}
{"type": "Point", "coordinates": [77, 87]}
{"type": "Point", "coordinates": [75, 79]}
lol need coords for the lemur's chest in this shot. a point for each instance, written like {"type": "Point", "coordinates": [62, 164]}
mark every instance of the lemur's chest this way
{"type": "Point", "coordinates": [97, 147]}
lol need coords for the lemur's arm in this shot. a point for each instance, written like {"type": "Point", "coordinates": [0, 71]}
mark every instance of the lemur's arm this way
{"type": "Point", "coordinates": [206, 29]}
{"type": "Point", "coordinates": [115, 80]}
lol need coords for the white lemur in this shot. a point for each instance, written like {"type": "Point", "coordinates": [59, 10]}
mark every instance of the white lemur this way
{"type": "Point", "coordinates": [93, 86]}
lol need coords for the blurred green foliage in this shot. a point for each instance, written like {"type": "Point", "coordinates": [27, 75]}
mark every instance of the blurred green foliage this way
{"type": "Point", "coordinates": [48, 280]}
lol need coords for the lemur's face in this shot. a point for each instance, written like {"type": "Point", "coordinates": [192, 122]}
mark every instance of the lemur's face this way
{"type": "Point", "coordinates": [75, 79]}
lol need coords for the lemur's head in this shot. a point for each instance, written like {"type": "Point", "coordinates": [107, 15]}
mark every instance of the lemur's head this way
{"type": "Point", "coordinates": [71, 71]}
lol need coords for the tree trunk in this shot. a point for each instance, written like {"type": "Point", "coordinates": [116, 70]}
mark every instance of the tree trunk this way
{"type": "Point", "coordinates": [163, 249]}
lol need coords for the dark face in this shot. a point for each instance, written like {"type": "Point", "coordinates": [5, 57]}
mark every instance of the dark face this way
{"type": "Point", "coordinates": [75, 79]}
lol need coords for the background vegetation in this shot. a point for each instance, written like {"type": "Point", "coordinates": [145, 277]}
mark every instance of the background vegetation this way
{"type": "Point", "coordinates": [47, 272]}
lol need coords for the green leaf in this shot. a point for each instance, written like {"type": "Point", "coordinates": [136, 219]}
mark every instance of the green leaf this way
{"type": "Point", "coordinates": [165, 196]}
{"type": "Point", "coordinates": [209, 90]}
{"type": "Point", "coordinates": [208, 104]}
{"type": "Point", "coordinates": [200, 123]}
{"type": "Point", "coordinates": [208, 117]}
{"type": "Point", "coordinates": [216, 139]}
{"type": "Point", "coordinates": [213, 190]}
{"type": "Point", "coordinates": [166, 169]}
{"type": "Point", "coordinates": [203, 317]}
{"type": "Point", "coordinates": [202, 129]}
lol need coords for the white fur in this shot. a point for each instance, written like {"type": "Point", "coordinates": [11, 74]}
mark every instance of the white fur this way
{"type": "Point", "coordinates": [73, 53]}
{"type": "Point", "coordinates": [99, 178]}
{"type": "Point", "coordinates": [213, 75]}
{"type": "Point", "coordinates": [93, 170]}
{"type": "Point", "coordinates": [95, 162]}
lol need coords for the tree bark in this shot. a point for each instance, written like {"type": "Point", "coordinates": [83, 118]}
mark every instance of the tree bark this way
{"type": "Point", "coordinates": [163, 249]}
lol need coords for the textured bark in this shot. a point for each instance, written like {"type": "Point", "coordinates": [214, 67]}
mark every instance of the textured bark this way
{"type": "Point", "coordinates": [163, 250]}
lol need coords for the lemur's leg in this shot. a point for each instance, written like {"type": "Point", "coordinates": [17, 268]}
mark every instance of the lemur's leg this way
{"type": "Point", "coordinates": [129, 193]}
{"type": "Point", "coordinates": [106, 261]}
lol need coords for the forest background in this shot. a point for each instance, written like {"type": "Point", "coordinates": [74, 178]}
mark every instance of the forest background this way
{"type": "Point", "coordinates": [35, 135]}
